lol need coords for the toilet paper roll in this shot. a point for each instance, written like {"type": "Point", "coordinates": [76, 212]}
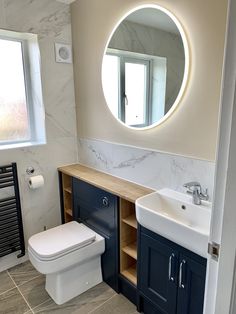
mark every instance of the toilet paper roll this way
{"type": "Point", "coordinates": [36, 182]}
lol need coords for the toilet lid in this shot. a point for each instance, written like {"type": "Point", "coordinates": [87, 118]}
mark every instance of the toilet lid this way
{"type": "Point", "coordinates": [58, 241]}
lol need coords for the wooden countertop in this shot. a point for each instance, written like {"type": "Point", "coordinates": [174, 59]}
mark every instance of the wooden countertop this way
{"type": "Point", "coordinates": [122, 188]}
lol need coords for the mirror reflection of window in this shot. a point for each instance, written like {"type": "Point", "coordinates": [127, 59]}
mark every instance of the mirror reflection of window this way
{"type": "Point", "coordinates": [111, 82]}
{"type": "Point", "coordinates": [135, 86]}
{"type": "Point", "coordinates": [136, 95]}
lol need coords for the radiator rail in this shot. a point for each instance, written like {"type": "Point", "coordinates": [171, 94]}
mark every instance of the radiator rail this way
{"type": "Point", "coordinates": [11, 226]}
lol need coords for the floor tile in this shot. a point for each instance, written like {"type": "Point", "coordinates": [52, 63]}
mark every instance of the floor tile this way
{"type": "Point", "coordinates": [23, 273]}
{"type": "Point", "coordinates": [5, 282]}
{"type": "Point", "coordinates": [116, 305]}
{"type": "Point", "coordinates": [11, 302]}
{"type": "Point", "coordinates": [83, 304]}
{"type": "Point", "coordinates": [34, 291]}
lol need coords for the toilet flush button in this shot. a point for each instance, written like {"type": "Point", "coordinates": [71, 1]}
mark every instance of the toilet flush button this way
{"type": "Point", "coordinates": [105, 201]}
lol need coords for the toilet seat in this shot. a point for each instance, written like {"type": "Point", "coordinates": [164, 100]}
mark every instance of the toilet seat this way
{"type": "Point", "coordinates": [59, 241]}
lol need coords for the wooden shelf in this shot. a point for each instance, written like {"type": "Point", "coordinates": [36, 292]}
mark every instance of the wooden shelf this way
{"type": "Point", "coordinates": [67, 197]}
{"type": "Point", "coordinates": [68, 190]}
{"type": "Point", "coordinates": [128, 240]}
{"type": "Point", "coordinates": [69, 212]}
{"type": "Point", "coordinates": [122, 188]}
{"type": "Point", "coordinates": [131, 221]}
{"type": "Point", "coordinates": [131, 274]}
{"type": "Point", "coordinates": [131, 250]}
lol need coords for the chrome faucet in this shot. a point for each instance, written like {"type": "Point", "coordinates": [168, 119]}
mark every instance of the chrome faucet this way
{"type": "Point", "coordinates": [195, 189]}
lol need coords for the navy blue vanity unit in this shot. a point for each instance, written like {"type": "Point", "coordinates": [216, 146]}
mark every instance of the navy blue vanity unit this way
{"type": "Point", "coordinates": [154, 273]}
{"type": "Point", "coordinates": [171, 279]}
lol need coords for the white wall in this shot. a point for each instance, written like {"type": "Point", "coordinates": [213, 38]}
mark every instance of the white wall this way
{"type": "Point", "coordinates": [51, 20]}
{"type": "Point", "coordinates": [192, 129]}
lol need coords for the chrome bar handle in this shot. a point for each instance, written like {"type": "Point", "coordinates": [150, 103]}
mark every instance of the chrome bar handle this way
{"type": "Point", "coordinates": [171, 278]}
{"type": "Point", "coordinates": [126, 100]}
{"type": "Point", "coordinates": [181, 284]}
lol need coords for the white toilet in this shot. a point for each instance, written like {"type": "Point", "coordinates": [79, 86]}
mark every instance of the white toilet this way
{"type": "Point", "coordinates": [70, 256]}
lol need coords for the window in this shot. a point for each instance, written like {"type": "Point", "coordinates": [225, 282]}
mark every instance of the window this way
{"type": "Point", "coordinates": [21, 121]}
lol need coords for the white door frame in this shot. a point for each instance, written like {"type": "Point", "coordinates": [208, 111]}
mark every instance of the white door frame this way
{"type": "Point", "coordinates": [220, 275]}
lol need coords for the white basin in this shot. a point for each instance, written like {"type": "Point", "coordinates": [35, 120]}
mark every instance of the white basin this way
{"type": "Point", "coordinates": [174, 216]}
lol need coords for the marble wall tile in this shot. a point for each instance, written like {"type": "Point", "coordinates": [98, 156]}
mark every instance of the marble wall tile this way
{"type": "Point", "coordinates": [41, 207]}
{"type": "Point", "coordinates": [149, 168]}
{"type": "Point", "coordinates": [59, 106]}
{"type": "Point", "coordinates": [51, 21]}
{"type": "Point", "coordinates": [44, 17]}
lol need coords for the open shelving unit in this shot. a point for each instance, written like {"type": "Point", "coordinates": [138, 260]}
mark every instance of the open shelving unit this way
{"type": "Point", "coordinates": [128, 241]}
{"type": "Point", "coordinates": [67, 197]}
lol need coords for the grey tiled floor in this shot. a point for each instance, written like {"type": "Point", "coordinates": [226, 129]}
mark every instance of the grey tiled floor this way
{"type": "Point", "coordinates": [22, 291]}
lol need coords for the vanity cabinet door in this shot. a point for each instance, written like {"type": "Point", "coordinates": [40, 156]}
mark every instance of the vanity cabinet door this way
{"type": "Point", "coordinates": [158, 273]}
{"type": "Point", "coordinates": [171, 277]}
{"type": "Point", "coordinates": [191, 286]}
{"type": "Point", "coordinates": [98, 210]}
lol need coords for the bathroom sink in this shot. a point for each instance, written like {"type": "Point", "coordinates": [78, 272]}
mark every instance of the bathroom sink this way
{"type": "Point", "coordinates": [173, 215]}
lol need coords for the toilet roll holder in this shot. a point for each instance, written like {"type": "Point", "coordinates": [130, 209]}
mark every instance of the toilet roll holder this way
{"type": "Point", "coordinates": [30, 170]}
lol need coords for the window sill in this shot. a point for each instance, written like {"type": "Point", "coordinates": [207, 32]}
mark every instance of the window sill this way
{"type": "Point", "coordinates": [21, 145]}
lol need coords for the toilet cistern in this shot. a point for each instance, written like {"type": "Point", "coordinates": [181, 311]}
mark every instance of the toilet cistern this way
{"type": "Point", "coordinates": [195, 189]}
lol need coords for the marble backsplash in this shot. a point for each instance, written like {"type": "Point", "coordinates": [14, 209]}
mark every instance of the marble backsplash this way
{"type": "Point", "coordinates": [51, 21]}
{"type": "Point", "coordinates": [146, 167]}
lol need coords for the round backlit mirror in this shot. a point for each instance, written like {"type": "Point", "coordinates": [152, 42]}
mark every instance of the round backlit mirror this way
{"type": "Point", "coordinates": [145, 67]}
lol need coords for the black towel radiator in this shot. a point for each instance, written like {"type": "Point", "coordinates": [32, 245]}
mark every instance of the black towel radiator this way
{"type": "Point", "coordinates": [11, 226]}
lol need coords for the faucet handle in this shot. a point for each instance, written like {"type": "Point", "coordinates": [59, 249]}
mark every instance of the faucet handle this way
{"type": "Point", "coordinates": [204, 194]}
{"type": "Point", "coordinates": [189, 185]}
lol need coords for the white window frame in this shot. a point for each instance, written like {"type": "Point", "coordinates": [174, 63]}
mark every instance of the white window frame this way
{"type": "Point", "coordinates": [155, 63]}
{"type": "Point", "coordinates": [125, 56]}
{"type": "Point", "coordinates": [36, 117]}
